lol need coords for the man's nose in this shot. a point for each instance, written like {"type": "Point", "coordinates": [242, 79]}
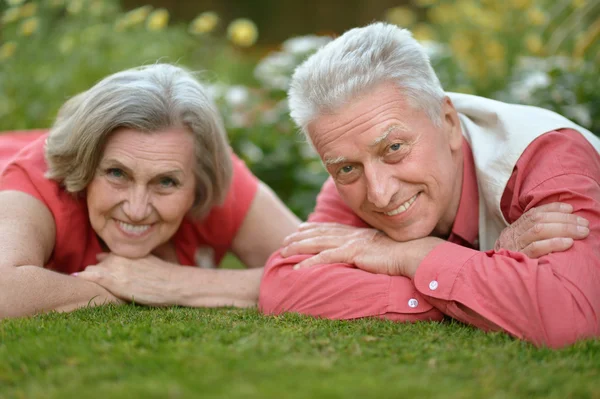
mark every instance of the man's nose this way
{"type": "Point", "coordinates": [137, 206]}
{"type": "Point", "coordinates": [379, 192]}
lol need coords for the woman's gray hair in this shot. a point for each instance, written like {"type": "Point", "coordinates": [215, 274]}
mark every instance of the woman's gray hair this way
{"type": "Point", "coordinates": [358, 61]}
{"type": "Point", "coordinates": [149, 99]}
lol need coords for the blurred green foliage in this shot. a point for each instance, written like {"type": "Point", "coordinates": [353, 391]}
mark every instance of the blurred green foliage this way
{"type": "Point", "coordinates": [537, 52]}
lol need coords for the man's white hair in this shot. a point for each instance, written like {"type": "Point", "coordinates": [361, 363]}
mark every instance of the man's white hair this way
{"type": "Point", "coordinates": [357, 62]}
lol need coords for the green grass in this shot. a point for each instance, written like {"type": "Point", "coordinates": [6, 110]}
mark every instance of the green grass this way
{"type": "Point", "coordinates": [133, 351]}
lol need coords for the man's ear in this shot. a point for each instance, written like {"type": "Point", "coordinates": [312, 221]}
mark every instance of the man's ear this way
{"type": "Point", "coordinates": [451, 124]}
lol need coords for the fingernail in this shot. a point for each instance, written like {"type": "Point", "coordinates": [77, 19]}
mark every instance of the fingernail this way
{"type": "Point", "coordinates": [582, 222]}
{"type": "Point", "coordinates": [74, 274]}
{"type": "Point", "coordinates": [583, 229]}
{"type": "Point", "coordinates": [567, 241]}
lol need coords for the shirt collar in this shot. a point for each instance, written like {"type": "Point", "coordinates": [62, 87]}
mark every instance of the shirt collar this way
{"type": "Point", "coordinates": [466, 223]}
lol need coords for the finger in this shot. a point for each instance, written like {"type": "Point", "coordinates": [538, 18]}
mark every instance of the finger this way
{"type": "Point", "coordinates": [324, 258]}
{"type": "Point", "coordinates": [544, 231]}
{"type": "Point", "coordinates": [312, 225]}
{"type": "Point", "coordinates": [313, 245]}
{"type": "Point", "coordinates": [90, 274]}
{"type": "Point", "coordinates": [545, 247]}
{"type": "Point", "coordinates": [101, 256]}
{"type": "Point", "coordinates": [562, 207]}
{"type": "Point", "coordinates": [557, 217]}
{"type": "Point", "coordinates": [319, 232]}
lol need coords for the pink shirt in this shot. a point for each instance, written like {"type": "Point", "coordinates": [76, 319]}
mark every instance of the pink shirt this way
{"type": "Point", "coordinates": [553, 300]}
{"type": "Point", "coordinates": [77, 244]}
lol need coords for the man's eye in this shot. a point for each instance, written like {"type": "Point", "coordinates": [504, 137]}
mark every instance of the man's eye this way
{"type": "Point", "coordinates": [395, 147]}
{"type": "Point", "coordinates": [167, 182]}
{"type": "Point", "coordinates": [116, 173]}
{"type": "Point", "coordinates": [346, 169]}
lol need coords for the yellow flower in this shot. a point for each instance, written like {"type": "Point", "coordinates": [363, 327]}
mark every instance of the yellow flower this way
{"type": "Point", "coordinates": [242, 32]}
{"type": "Point", "coordinates": [401, 16]}
{"type": "Point", "coordinates": [204, 23]}
{"type": "Point", "coordinates": [157, 20]}
{"type": "Point", "coordinates": [11, 15]}
{"type": "Point", "coordinates": [442, 14]}
{"type": "Point", "coordinates": [13, 3]}
{"type": "Point", "coordinates": [534, 44]}
{"type": "Point", "coordinates": [537, 17]}
{"type": "Point", "coordinates": [7, 50]}
{"type": "Point", "coordinates": [423, 32]}
{"type": "Point", "coordinates": [461, 44]}
{"type": "Point", "coordinates": [28, 10]}
{"type": "Point", "coordinates": [29, 26]}
{"type": "Point", "coordinates": [476, 68]}
{"type": "Point", "coordinates": [494, 50]}
{"type": "Point", "coordinates": [138, 15]}
{"type": "Point", "coordinates": [74, 7]}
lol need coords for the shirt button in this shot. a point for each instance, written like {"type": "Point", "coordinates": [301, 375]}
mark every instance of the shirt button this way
{"type": "Point", "coordinates": [433, 285]}
{"type": "Point", "coordinates": [413, 303]}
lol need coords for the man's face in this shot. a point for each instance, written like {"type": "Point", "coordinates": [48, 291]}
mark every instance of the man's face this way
{"type": "Point", "coordinates": [397, 171]}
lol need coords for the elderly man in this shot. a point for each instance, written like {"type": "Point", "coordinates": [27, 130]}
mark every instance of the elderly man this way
{"type": "Point", "coordinates": [421, 215]}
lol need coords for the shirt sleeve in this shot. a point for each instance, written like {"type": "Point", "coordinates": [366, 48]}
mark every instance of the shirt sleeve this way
{"type": "Point", "coordinates": [339, 291]}
{"type": "Point", "coordinates": [553, 300]}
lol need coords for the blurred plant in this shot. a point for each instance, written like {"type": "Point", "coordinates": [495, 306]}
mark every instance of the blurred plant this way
{"type": "Point", "coordinates": [537, 52]}
{"type": "Point", "coordinates": [509, 50]}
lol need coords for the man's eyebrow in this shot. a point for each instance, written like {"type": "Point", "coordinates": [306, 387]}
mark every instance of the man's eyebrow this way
{"type": "Point", "coordinates": [390, 129]}
{"type": "Point", "coordinates": [334, 161]}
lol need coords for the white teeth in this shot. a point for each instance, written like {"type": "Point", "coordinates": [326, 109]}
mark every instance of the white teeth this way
{"type": "Point", "coordinates": [134, 229]}
{"type": "Point", "coordinates": [402, 207]}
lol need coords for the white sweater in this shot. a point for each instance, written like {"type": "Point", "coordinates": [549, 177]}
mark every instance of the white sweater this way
{"type": "Point", "coordinates": [498, 133]}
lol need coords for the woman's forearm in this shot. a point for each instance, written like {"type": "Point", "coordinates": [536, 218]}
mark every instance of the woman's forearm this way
{"type": "Point", "coordinates": [28, 290]}
{"type": "Point", "coordinates": [196, 287]}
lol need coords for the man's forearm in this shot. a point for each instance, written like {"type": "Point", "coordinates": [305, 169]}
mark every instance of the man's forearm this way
{"type": "Point", "coordinates": [28, 290]}
{"type": "Point", "coordinates": [196, 287]}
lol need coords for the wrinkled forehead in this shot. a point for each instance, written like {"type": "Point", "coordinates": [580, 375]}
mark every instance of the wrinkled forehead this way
{"type": "Point", "coordinates": [172, 146]}
{"type": "Point", "coordinates": [368, 119]}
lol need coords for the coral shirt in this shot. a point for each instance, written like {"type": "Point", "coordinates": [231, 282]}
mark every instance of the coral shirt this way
{"type": "Point", "coordinates": [77, 244]}
{"type": "Point", "coordinates": [553, 300]}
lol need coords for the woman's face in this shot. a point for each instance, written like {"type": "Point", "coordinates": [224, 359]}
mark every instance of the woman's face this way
{"type": "Point", "coordinates": [142, 189]}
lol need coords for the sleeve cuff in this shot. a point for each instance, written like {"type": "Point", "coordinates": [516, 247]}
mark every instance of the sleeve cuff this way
{"type": "Point", "coordinates": [437, 273]}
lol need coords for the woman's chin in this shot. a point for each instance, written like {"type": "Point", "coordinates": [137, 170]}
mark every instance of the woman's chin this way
{"type": "Point", "coordinates": [130, 252]}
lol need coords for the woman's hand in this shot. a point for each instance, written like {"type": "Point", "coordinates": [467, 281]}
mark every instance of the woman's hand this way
{"type": "Point", "coordinates": [146, 281]}
{"type": "Point", "coordinates": [543, 230]}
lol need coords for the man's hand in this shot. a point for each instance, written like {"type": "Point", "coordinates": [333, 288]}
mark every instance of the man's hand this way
{"type": "Point", "coordinates": [366, 248]}
{"type": "Point", "coordinates": [145, 281]}
{"type": "Point", "coordinates": [543, 230]}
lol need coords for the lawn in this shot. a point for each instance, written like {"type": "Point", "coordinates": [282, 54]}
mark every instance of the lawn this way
{"type": "Point", "coordinates": [133, 351]}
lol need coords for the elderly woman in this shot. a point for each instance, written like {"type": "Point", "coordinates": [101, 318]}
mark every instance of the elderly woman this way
{"type": "Point", "coordinates": [133, 184]}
